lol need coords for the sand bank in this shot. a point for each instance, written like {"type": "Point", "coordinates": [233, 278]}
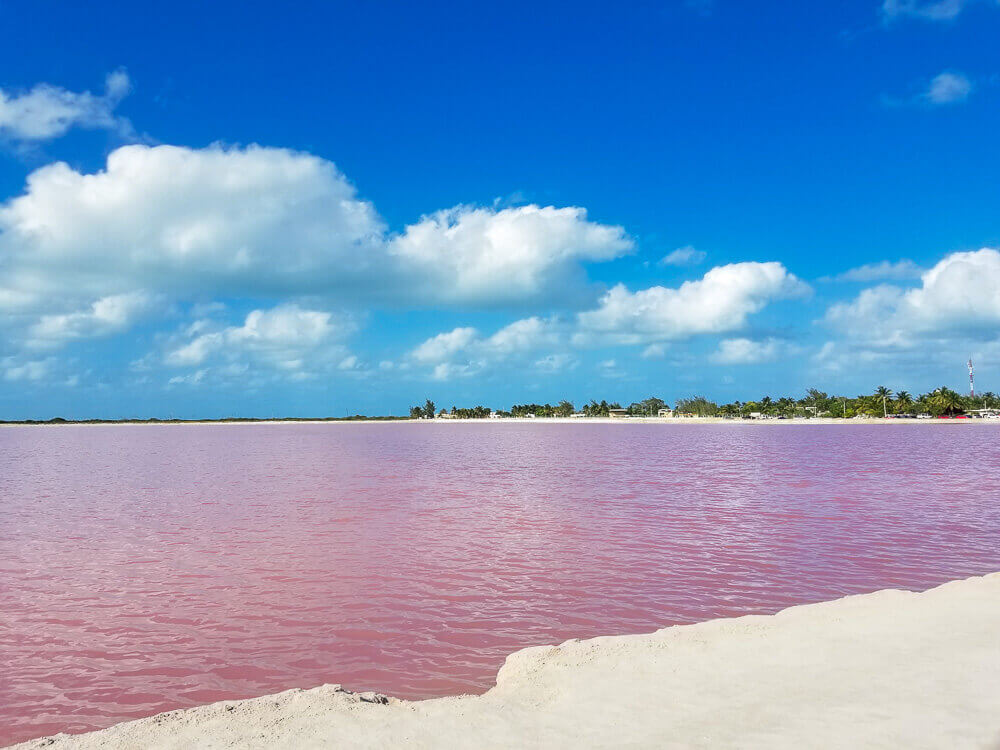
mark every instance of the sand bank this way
{"type": "Point", "coordinates": [889, 669]}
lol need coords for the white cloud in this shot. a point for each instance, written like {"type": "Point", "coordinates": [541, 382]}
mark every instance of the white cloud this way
{"type": "Point", "coordinates": [104, 317]}
{"type": "Point", "coordinates": [960, 295]}
{"type": "Point", "coordinates": [225, 221]}
{"type": "Point", "coordinates": [193, 379]}
{"type": "Point", "coordinates": [445, 345]}
{"type": "Point", "coordinates": [266, 223]}
{"type": "Point", "coordinates": [882, 271]}
{"type": "Point", "coordinates": [285, 340]}
{"type": "Point", "coordinates": [718, 302]}
{"type": "Point", "coordinates": [929, 10]}
{"type": "Point", "coordinates": [521, 336]}
{"type": "Point", "coordinates": [516, 338]}
{"type": "Point", "coordinates": [349, 363]}
{"type": "Point", "coordinates": [30, 370]}
{"type": "Point", "coordinates": [449, 371]}
{"type": "Point", "coordinates": [555, 363]}
{"type": "Point", "coordinates": [47, 112]}
{"type": "Point", "coordinates": [467, 254]}
{"type": "Point", "coordinates": [465, 351]}
{"type": "Point", "coordinates": [721, 301]}
{"type": "Point", "coordinates": [947, 88]}
{"type": "Point", "coordinates": [683, 256]}
{"type": "Point", "coordinates": [608, 368]}
{"type": "Point", "coordinates": [654, 351]}
{"type": "Point", "coordinates": [743, 351]}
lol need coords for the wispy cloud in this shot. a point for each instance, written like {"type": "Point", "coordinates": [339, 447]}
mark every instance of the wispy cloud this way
{"type": "Point", "coordinates": [46, 112]}
{"type": "Point", "coordinates": [683, 256]}
{"type": "Point", "coordinates": [744, 351]}
{"type": "Point", "coordinates": [935, 10]}
{"type": "Point", "coordinates": [900, 270]}
{"type": "Point", "coordinates": [947, 88]}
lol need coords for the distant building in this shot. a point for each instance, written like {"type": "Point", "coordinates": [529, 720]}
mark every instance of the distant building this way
{"type": "Point", "coordinates": [495, 415]}
{"type": "Point", "coordinates": [618, 413]}
{"type": "Point", "coordinates": [985, 413]}
{"type": "Point", "coordinates": [665, 413]}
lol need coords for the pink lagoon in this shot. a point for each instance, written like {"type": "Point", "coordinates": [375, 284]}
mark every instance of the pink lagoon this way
{"type": "Point", "coordinates": [147, 568]}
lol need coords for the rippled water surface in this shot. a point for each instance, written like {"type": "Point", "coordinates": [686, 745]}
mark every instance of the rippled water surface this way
{"type": "Point", "coordinates": [149, 568]}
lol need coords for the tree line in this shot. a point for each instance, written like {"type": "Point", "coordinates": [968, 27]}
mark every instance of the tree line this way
{"type": "Point", "coordinates": [881, 403]}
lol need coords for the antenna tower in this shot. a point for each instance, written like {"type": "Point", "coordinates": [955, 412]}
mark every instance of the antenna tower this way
{"type": "Point", "coordinates": [972, 380]}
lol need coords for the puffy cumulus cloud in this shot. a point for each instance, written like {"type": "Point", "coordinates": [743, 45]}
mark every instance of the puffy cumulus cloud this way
{"type": "Point", "coordinates": [226, 220]}
{"type": "Point", "coordinates": [947, 88]}
{"type": "Point", "coordinates": [264, 223]}
{"type": "Point", "coordinates": [883, 271]}
{"type": "Point", "coordinates": [521, 336]}
{"type": "Point", "coordinates": [744, 351]}
{"type": "Point", "coordinates": [47, 112]}
{"type": "Point", "coordinates": [720, 301]}
{"type": "Point", "coordinates": [285, 340]}
{"type": "Point", "coordinates": [106, 316]}
{"type": "Point", "coordinates": [445, 345]}
{"type": "Point", "coordinates": [959, 296]}
{"type": "Point", "coordinates": [683, 256]}
{"type": "Point", "coordinates": [465, 351]}
{"type": "Point", "coordinates": [473, 255]}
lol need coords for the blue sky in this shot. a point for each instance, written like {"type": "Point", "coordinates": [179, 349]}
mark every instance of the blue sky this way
{"type": "Point", "coordinates": [223, 209]}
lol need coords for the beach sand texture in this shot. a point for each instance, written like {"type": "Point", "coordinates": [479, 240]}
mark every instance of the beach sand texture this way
{"type": "Point", "coordinates": [888, 669]}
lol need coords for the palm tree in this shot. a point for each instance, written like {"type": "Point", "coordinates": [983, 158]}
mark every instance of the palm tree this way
{"type": "Point", "coordinates": [946, 401]}
{"type": "Point", "coordinates": [883, 393]}
{"type": "Point", "coordinates": [903, 401]}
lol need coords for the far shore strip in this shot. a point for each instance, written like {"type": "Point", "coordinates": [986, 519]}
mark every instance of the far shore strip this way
{"type": "Point", "coordinates": [891, 669]}
{"type": "Point", "coordinates": [519, 420]}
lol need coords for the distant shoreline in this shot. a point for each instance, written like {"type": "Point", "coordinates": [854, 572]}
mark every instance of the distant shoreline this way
{"type": "Point", "coordinates": [798, 421]}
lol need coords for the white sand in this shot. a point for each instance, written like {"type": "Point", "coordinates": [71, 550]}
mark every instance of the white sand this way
{"type": "Point", "coordinates": [891, 669]}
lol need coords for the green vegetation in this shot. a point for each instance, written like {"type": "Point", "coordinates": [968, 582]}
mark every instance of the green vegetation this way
{"type": "Point", "coordinates": [882, 402]}
{"type": "Point", "coordinates": [154, 420]}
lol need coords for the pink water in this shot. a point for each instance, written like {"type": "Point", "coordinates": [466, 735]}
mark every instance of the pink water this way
{"type": "Point", "coordinates": [149, 568]}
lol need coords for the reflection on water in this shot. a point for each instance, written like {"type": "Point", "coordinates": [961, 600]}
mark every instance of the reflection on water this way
{"type": "Point", "coordinates": [149, 568]}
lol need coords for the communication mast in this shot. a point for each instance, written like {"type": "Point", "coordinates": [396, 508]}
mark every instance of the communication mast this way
{"type": "Point", "coordinates": [972, 380]}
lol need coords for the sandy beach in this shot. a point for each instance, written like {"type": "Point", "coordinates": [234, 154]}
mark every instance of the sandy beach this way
{"type": "Point", "coordinates": [887, 669]}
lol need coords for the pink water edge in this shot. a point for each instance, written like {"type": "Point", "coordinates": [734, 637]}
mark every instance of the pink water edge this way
{"type": "Point", "coordinates": [149, 568]}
